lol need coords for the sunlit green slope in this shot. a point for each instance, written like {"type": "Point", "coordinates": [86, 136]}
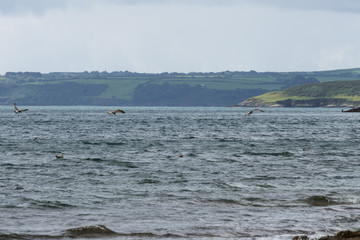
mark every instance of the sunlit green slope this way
{"type": "Point", "coordinates": [326, 94]}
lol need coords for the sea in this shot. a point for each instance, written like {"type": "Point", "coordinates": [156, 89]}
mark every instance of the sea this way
{"type": "Point", "coordinates": [178, 173]}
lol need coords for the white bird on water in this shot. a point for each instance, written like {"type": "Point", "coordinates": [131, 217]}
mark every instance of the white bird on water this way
{"type": "Point", "coordinates": [116, 111]}
{"type": "Point", "coordinates": [17, 110]}
{"type": "Point", "coordinates": [252, 111]}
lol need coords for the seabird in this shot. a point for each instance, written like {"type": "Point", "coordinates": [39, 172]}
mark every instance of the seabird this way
{"type": "Point", "coordinates": [17, 110]}
{"type": "Point", "coordinates": [252, 111]}
{"type": "Point", "coordinates": [116, 111]}
{"type": "Point", "coordinates": [60, 156]}
{"type": "Point", "coordinates": [180, 155]}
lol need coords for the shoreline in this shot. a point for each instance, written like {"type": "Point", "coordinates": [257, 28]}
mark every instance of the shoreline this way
{"type": "Point", "coordinates": [342, 235]}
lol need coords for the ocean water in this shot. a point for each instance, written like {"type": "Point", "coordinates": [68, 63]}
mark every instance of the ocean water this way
{"type": "Point", "coordinates": [272, 175]}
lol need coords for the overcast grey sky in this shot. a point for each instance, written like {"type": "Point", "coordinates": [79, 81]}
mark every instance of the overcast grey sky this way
{"type": "Point", "coordinates": [179, 35]}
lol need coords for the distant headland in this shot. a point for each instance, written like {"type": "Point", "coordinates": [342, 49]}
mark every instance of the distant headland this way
{"type": "Point", "coordinates": [326, 94]}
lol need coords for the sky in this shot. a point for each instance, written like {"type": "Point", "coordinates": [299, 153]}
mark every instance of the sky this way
{"type": "Point", "coordinates": [154, 36]}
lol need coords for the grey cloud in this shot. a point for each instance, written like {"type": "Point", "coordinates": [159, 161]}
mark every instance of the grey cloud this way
{"type": "Point", "coordinates": [351, 6]}
{"type": "Point", "coordinates": [39, 7]}
{"type": "Point", "coordinates": [21, 7]}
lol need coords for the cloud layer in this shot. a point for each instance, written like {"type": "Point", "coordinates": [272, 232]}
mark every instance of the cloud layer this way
{"type": "Point", "coordinates": [178, 36]}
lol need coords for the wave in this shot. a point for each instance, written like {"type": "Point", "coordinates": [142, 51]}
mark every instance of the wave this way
{"type": "Point", "coordinates": [102, 232]}
{"type": "Point", "coordinates": [87, 142]}
{"type": "Point", "coordinates": [115, 143]}
{"type": "Point", "coordinates": [126, 164]}
{"type": "Point", "coordinates": [148, 181]}
{"type": "Point", "coordinates": [89, 231]}
{"type": "Point", "coordinates": [95, 159]}
{"type": "Point", "coordinates": [224, 201]}
{"type": "Point", "coordinates": [320, 201]}
{"type": "Point", "coordinates": [97, 231]}
{"type": "Point", "coordinates": [276, 154]}
{"type": "Point", "coordinates": [46, 204]}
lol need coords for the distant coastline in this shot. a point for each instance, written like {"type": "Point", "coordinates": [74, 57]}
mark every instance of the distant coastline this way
{"type": "Point", "coordinates": [126, 88]}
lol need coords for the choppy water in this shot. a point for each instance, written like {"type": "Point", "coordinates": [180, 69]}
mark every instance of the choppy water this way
{"type": "Point", "coordinates": [245, 178]}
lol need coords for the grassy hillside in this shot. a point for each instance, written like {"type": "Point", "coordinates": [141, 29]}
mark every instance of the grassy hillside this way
{"type": "Point", "coordinates": [336, 93]}
{"type": "Point", "coordinates": [175, 89]}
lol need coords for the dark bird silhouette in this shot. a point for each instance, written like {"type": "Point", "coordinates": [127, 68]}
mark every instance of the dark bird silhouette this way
{"type": "Point", "coordinates": [60, 156]}
{"type": "Point", "coordinates": [116, 111]}
{"type": "Point", "coordinates": [17, 110]}
{"type": "Point", "coordinates": [252, 111]}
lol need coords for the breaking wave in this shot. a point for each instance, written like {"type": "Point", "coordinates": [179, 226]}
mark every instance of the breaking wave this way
{"type": "Point", "coordinates": [101, 232]}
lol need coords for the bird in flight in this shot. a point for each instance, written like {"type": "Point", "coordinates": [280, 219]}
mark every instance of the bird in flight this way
{"type": "Point", "coordinates": [17, 110]}
{"type": "Point", "coordinates": [252, 111]}
{"type": "Point", "coordinates": [115, 111]}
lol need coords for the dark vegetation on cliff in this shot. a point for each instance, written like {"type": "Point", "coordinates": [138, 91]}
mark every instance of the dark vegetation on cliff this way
{"type": "Point", "coordinates": [150, 89]}
{"type": "Point", "coordinates": [323, 90]}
